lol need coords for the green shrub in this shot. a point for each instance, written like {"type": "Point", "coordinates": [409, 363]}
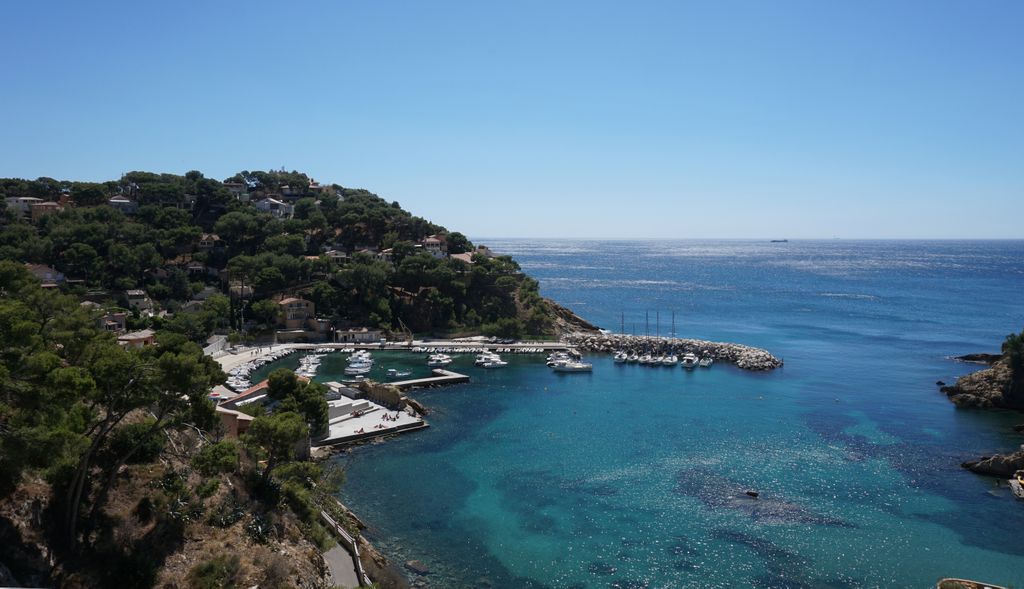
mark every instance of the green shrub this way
{"type": "Point", "coordinates": [216, 458]}
{"type": "Point", "coordinates": [220, 572]}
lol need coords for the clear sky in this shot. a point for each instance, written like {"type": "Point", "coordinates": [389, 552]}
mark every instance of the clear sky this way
{"type": "Point", "coordinates": [542, 118]}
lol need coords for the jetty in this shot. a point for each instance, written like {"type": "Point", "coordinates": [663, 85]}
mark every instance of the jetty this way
{"type": "Point", "coordinates": [441, 377]}
{"type": "Point", "coordinates": [745, 357]}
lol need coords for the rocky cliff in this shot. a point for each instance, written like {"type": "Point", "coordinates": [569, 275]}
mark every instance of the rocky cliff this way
{"type": "Point", "coordinates": [989, 387]}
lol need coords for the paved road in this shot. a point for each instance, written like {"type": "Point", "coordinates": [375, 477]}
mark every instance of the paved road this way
{"type": "Point", "coordinates": [343, 570]}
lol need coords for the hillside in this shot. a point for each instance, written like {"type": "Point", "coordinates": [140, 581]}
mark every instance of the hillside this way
{"type": "Point", "coordinates": [256, 238]}
{"type": "Point", "coordinates": [115, 470]}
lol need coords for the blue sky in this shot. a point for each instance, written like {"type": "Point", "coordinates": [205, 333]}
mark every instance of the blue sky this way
{"type": "Point", "coordinates": [541, 118]}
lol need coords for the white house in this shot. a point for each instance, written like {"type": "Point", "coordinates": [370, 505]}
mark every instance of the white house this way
{"type": "Point", "coordinates": [126, 206]}
{"type": "Point", "coordinates": [22, 204]}
{"type": "Point", "coordinates": [275, 207]}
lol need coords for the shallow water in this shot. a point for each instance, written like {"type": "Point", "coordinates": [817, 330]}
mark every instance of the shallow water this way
{"type": "Point", "coordinates": [634, 476]}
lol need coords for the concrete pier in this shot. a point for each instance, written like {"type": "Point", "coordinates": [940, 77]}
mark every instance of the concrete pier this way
{"type": "Point", "coordinates": [441, 377]}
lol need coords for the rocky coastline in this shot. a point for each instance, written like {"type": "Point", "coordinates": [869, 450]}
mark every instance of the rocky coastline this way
{"type": "Point", "coordinates": [986, 388]}
{"type": "Point", "coordinates": [745, 357]}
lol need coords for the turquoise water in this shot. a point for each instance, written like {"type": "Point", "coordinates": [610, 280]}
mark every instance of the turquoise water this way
{"type": "Point", "coordinates": [634, 476]}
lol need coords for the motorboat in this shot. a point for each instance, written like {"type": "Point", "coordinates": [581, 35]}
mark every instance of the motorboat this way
{"type": "Point", "coordinates": [485, 357]}
{"type": "Point", "coordinates": [1017, 484]}
{"type": "Point", "coordinates": [357, 369]}
{"type": "Point", "coordinates": [392, 373]}
{"type": "Point", "coordinates": [669, 361]}
{"type": "Point", "coordinates": [706, 362]}
{"type": "Point", "coordinates": [436, 360]}
{"type": "Point", "coordinates": [558, 357]}
{"type": "Point", "coordinates": [689, 360]}
{"type": "Point", "coordinates": [495, 363]}
{"type": "Point", "coordinates": [573, 366]}
{"type": "Point", "coordinates": [951, 583]}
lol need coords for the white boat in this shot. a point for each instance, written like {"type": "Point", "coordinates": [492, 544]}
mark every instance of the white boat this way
{"type": "Point", "coordinates": [558, 357]}
{"type": "Point", "coordinates": [645, 359]}
{"type": "Point", "coordinates": [706, 362]}
{"type": "Point", "coordinates": [356, 370]}
{"type": "Point", "coordinates": [1017, 484]}
{"type": "Point", "coordinates": [392, 373]}
{"type": "Point", "coordinates": [437, 360]}
{"type": "Point", "coordinates": [689, 361]}
{"type": "Point", "coordinates": [633, 358]}
{"type": "Point", "coordinates": [498, 363]}
{"type": "Point", "coordinates": [572, 366]}
{"type": "Point", "coordinates": [620, 357]}
{"type": "Point", "coordinates": [485, 357]}
{"type": "Point", "coordinates": [670, 361]}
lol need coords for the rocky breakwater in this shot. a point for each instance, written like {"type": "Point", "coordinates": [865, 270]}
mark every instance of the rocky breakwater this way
{"type": "Point", "coordinates": [742, 356]}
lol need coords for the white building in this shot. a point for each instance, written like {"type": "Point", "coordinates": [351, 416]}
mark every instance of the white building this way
{"type": "Point", "coordinates": [275, 207]}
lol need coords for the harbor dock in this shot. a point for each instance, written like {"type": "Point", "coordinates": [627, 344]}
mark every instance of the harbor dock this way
{"type": "Point", "coordinates": [441, 377]}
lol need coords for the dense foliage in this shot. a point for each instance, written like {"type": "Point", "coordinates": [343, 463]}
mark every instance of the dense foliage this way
{"type": "Point", "coordinates": [155, 248]}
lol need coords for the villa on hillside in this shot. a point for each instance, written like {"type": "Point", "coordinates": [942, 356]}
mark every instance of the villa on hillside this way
{"type": "Point", "coordinates": [138, 339]}
{"type": "Point", "coordinates": [140, 301]}
{"type": "Point", "coordinates": [40, 209]}
{"type": "Point", "coordinates": [297, 321]}
{"type": "Point", "coordinates": [434, 246]}
{"type": "Point", "coordinates": [125, 205]}
{"type": "Point", "coordinates": [22, 205]}
{"type": "Point", "coordinates": [46, 275]}
{"type": "Point", "coordinates": [275, 207]}
{"type": "Point", "coordinates": [208, 241]}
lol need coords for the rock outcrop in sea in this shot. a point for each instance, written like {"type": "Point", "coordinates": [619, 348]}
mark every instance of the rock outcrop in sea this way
{"type": "Point", "coordinates": [986, 388]}
{"type": "Point", "coordinates": [998, 465]}
{"type": "Point", "coordinates": [745, 357]}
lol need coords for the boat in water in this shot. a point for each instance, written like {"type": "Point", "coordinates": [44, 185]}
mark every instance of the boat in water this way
{"type": "Point", "coordinates": [951, 583]}
{"type": "Point", "coordinates": [438, 360]}
{"type": "Point", "coordinates": [573, 366]}
{"type": "Point", "coordinates": [357, 369]}
{"type": "Point", "coordinates": [393, 373]}
{"type": "Point", "coordinates": [705, 362]}
{"type": "Point", "coordinates": [689, 360]}
{"type": "Point", "coordinates": [670, 361]}
{"type": "Point", "coordinates": [1017, 484]}
{"type": "Point", "coordinates": [620, 357]}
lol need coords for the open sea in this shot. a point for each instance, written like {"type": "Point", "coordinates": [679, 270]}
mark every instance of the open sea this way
{"type": "Point", "coordinates": [633, 476]}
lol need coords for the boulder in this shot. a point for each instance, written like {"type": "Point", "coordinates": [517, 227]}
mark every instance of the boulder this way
{"type": "Point", "coordinates": [999, 465]}
{"type": "Point", "coordinates": [989, 387]}
{"type": "Point", "coordinates": [417, 567]}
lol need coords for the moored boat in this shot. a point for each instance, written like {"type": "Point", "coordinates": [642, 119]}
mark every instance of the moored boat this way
{"type": "Point", "coordinates": [1017, 484]}
{"type": "Point", "coordinates": [705, 362]}
{"type": "Point", "coordinates": [437, 360]}
{"type": "Point", "coordinates": [952, 583]}
{"type": "Point", "coordinates": [573, 366]}
{"type": "Point", "coordinates": [689, 360]}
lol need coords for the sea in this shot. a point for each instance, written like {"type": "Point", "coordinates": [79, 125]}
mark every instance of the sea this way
{"type": "Point", "coordinates": [634, 476]}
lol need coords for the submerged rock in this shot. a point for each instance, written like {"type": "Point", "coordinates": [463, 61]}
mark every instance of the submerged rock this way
{"type": "Point", "coordinates": [417, 567]}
